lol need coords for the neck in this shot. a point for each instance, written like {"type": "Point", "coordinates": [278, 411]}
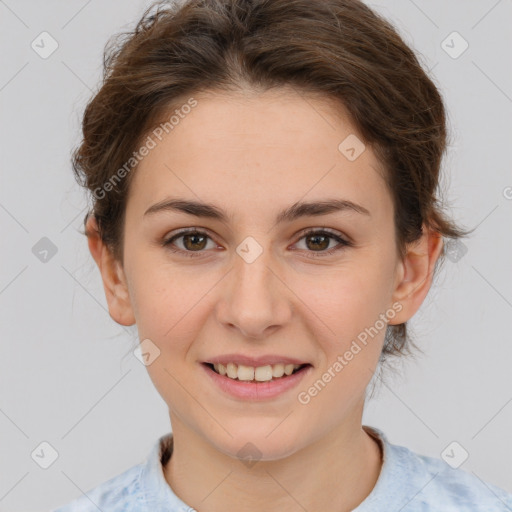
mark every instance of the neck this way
{"type": "Point", "coordinates": [334, 473]}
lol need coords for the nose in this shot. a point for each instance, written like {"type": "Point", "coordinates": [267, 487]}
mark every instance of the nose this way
{"type": "Point", "coordinates": [254, 299]}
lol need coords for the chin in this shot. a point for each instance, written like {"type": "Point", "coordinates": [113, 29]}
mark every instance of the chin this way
{"type": "Point", "coordinates": [257, 445]}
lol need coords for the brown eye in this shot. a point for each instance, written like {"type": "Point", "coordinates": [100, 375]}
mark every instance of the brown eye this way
{"type": "Point", "coordinates": [195, 241]}
{"type": "Point", "coordinates": [318, 241]}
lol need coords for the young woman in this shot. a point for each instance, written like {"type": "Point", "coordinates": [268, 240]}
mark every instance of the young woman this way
{"type": "Point", "coordinates": [264, 177]}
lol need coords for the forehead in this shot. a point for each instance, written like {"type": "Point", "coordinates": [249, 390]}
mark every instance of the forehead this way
{"type": "Point", "coordinates": [243, 149]}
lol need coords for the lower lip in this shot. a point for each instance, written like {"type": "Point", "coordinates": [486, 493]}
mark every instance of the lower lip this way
{"type": "Point", "coordinates": [256, 391]}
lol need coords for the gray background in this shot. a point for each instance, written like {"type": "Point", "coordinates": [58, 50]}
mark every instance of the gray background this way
{"type": "Point", "coordinates": [63, 375]}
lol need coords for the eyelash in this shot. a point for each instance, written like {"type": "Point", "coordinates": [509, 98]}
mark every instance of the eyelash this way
{"type": "Point", "coordinates": [315, 254]}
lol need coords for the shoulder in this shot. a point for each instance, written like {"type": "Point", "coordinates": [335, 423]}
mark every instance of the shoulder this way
{"type": "Point", "coordinates": [434, 485]}
{"type": "Point", "coordinates": [120, 493]}
{"type": "Point", "coordinates": [412, 482]}
{"type": "Point", "coordinates": [141, 488]}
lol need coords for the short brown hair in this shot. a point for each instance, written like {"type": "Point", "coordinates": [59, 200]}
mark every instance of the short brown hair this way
{"type": "Point", "coordinates": [338, 49]}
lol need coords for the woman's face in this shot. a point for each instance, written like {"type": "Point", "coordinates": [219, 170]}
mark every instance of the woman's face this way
{"type": "Point", "coordinates": [256, 285]}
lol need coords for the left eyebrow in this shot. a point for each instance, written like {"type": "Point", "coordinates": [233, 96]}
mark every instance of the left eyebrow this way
{"type": "Point", "coordinates": [294, 212]}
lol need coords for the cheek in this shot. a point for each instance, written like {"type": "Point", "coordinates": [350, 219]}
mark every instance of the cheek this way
{"type": "Point", "coordinates": [348, 326]}
{"type": "Point", "coordinates": [349, 296]}
{"type": "Point", "coordinates": [170, 308]}
{"type": "Point", "coordinates": [346, 308]}
{"type": "Point", "coordinates": [163, 300]}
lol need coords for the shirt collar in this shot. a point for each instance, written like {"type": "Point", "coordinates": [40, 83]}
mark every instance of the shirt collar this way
{"type": "Point", "coordinates": [383, 495]}
{"type": "Point", "coordinates": [156, 492]}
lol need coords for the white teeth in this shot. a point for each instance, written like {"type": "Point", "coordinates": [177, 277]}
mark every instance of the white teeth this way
{"type": "Point", "coordinates": [231, 370]}
{"type": "Point", "coordinates": [288, 369]}
{"type": "Point", "coordinates": [278, 370]}
{"type": "Point", "coordinates": [245, 372]}
{"type": "Point", "coordinates": [260, 373]}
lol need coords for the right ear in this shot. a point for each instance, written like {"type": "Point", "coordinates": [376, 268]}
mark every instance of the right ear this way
{"type": "Point", "coordinates": [112, 274]}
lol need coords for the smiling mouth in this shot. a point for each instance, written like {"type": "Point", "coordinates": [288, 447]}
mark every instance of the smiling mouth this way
{"type": "Point", "coordinates": [263, 374]}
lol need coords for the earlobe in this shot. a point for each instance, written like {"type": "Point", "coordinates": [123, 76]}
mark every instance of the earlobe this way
{"type": "Point", "coordinates": [112, 275]}
{"type": "Point", "coordinates": [416, 273]}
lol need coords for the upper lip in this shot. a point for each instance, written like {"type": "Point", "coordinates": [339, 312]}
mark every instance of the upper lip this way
{"type": "Point", "coordinates": [254, 361]}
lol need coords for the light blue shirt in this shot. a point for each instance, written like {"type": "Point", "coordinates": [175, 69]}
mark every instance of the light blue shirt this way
{"type": "Point", "coordinates": [408, 482]}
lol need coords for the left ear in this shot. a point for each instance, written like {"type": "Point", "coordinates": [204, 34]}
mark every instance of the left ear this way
{"type": "Point", "coordinates": [415, 273]}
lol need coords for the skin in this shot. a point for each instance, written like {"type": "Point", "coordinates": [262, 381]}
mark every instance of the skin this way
{"type": "Point", "coordinates": [253, 154]}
